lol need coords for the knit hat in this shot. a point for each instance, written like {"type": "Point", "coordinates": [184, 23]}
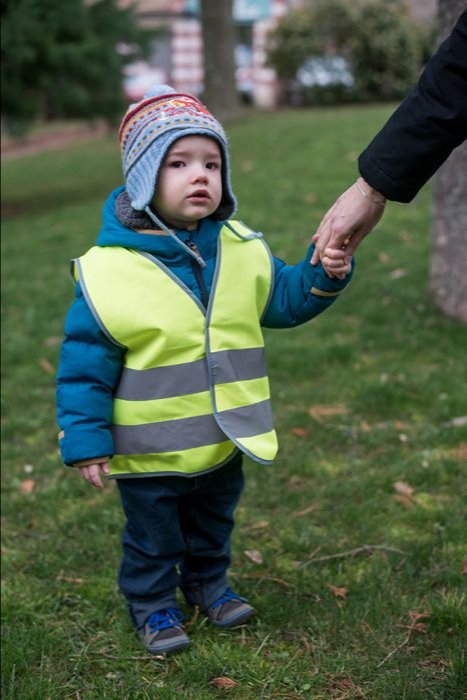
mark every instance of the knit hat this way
{"type": "Point", "coordinates": [148, 130]}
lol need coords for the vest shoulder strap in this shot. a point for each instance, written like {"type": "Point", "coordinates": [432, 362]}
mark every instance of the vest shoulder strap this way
{"type": "Point", "coordinates": [241, 230]}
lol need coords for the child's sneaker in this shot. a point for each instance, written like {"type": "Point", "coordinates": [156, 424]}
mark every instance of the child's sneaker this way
{"type": "Point", "coordinates": [163, 633]}
{"type": "Point", "coordinates": [229, 610]}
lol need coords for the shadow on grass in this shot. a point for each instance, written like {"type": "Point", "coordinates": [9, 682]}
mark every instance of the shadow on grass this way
{"type": "Point", "coordinates": [46, 200]}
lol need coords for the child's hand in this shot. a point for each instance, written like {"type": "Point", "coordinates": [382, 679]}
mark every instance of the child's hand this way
{"type": "Point", "coordinates": [336, 262]}
{"type": "Point", "coordinates": [92, 473]}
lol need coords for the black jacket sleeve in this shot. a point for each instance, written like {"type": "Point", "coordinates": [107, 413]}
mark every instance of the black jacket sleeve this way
{"type": "Point", "coordinates": [426, 127]}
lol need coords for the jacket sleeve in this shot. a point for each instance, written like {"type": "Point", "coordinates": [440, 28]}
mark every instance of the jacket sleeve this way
{"type": "Point", "coordinates": [300, 292]}
{"type": "Point", "coordinates": [88, 373]}
{"type": "Point", "coordinates": [426, 127]}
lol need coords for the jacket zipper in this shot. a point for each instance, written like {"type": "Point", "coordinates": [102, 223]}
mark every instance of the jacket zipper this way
{"type": "Point", "coordinates": [196, 265]}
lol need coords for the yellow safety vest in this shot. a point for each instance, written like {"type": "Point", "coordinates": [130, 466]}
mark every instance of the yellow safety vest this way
{"type": "Point", "coordinates": [194, 385]}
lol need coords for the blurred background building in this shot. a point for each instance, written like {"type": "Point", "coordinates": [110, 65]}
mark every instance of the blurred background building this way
{"type": "Point", "coordinates": [176, 50]}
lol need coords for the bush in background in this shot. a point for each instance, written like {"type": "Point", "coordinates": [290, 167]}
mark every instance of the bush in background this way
{"type": "Point", "coordinates": [387, 50]}
{"type": "Point", "coordinates": [384, 47]}
{"type": "Point", "coordinates": [59, 59]}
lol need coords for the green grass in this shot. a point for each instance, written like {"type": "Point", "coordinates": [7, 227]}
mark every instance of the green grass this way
{"type": "Point", "coordinates": [391, 368]}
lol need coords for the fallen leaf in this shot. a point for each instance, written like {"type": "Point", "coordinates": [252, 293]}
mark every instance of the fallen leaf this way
{"type": "Point", "coordinates": [404, 494]}
{"type": "Point", "coordinates": [345, 688]}
{"type": "Point", "coordinates": [398, 273]}
{"type": "Point", "coordinates": [46, 365]}
{"type": "Point", "coordinates": [458, 422]}
{"type": "Point", "coordinates": [260, 525]}
{"type": "Point", "coordinates": [305, 511]}
{"type": "Point", "coordinates": [247, 166]}
{"type": "Point", "coordinates": [69, 579]}
{"type": "Point", "coordinates": [406, 236]}
{"type": "Point", "coordinates": [404, 489]}
{"type": "Point", "coordinates": [348, 684]}
{"type": "Point", "coordinates": [297, 483]}
{"type": "Point", "coordinates": [224, 682]}
{"type": "Point", "coordinates": [254, 555]}
{"type": "Point", "coordinates": [384, 257]}
{"type": "Point", "coordinates": [323, 411]}
{"type": "Point", "coordinates": [419, 627]}
{"type": "Point", "coordinates": [27, 486]}
{"type": "Point", "coordinates": [415, 615]}
{"type": "Point", "coordinates": [406, 501]}
{"type": "Point", "coordinates": [415, 624]}
{"type": "Point", "coordinates": [464, 567]}
{"type": "Point", "coordinates": [338, 592]}
{"type": "Point", "coordinates": [53, 341]}
{"type": "Point", "coordinates": [299, 432]}
{"type": "Point", "coordinates": [460, 453]}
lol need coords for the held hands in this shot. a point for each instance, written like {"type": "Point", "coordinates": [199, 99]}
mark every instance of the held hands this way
{"type": "Point", "coordinates": [92, 473]}
{"type": "Point", "coordinates": [336, 261]}
{"type": "Point", "coordinates": [352, 217]}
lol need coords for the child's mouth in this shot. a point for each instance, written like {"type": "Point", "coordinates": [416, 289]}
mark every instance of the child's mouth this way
{"type": "Point", "coordinates": [199, 195]}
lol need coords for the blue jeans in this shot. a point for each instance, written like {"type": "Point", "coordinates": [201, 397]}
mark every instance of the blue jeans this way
{"type": "Point", "coordinates": [177, 534]}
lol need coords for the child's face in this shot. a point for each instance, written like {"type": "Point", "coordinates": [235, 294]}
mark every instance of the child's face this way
{"type": "Point", "coordinates": [190, 184]}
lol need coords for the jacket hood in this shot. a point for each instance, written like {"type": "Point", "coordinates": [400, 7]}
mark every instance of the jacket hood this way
{"type": "Point", "coordinates": [170, 250]}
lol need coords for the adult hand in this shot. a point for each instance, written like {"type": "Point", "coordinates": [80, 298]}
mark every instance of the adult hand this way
{"type": "Point", "coordinates": [352, 217]}
{"type": "Point", "coordinates": [92, 473]}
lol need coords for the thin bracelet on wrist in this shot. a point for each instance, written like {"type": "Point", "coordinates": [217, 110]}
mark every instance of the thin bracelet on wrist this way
{"type": "Point", "coordinates": [382, 203]}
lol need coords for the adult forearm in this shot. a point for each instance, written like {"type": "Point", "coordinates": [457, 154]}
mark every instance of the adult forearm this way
{"type": "Point", "coordinates": [426, 127]}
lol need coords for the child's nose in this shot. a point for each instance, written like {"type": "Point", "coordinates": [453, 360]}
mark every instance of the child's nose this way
{"type": "Point", "coordinates": [200, 175]}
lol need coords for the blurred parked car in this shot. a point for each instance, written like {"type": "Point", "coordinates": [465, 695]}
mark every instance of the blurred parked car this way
{"type": "Point", "coordinates": [320, 79]}
{"type": "Point", "coordinates": [139, 77]}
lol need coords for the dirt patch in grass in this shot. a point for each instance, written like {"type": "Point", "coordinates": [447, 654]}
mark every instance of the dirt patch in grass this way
{"type": "Point", "coordinates": [51, 140]}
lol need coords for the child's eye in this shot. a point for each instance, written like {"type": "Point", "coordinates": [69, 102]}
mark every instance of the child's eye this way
{"type": "Point", "coordinates": [176, 164]}
{"type": "Point", "coordinates": [212, 166]}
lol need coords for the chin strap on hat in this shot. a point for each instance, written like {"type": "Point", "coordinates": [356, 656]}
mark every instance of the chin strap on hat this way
{"type": "Point", "coordinates": [155, 219]}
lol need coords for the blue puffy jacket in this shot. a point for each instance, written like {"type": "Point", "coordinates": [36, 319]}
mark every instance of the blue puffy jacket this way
{"type": "Point", "coordinates": [90, 364]}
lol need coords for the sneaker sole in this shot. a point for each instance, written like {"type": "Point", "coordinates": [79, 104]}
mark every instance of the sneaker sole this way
{"type": "Point", "coordinates": [169, 648]}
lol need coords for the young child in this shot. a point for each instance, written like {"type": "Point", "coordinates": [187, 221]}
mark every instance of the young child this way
{"type": "Point", "coordinates": [162, 383]}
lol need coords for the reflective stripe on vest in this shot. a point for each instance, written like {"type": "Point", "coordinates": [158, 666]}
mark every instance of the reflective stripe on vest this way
{"type": "Point", "coordinates": [194, 384]}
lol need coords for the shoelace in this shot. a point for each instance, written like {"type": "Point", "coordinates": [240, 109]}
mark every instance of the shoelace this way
{"type": "Point", "coordinates": [227, 596]}
{"type": "Point", "coordinates": [163, 619]}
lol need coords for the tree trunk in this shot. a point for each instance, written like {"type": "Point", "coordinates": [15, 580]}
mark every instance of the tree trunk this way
{"type": "Point", "coordinates": [220, 92]}
{"type": "Point", "coordinates": [448, 268]}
